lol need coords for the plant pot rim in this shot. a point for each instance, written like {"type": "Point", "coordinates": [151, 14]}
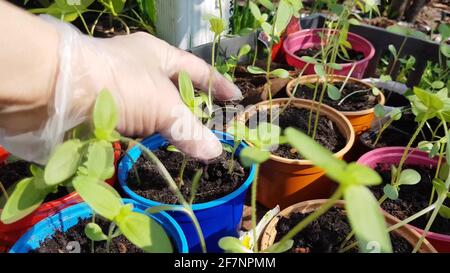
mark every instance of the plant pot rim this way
{"type": "Point", "coordinates": [311, 31]}
{"type": "Point", "coordinates": [83, 208]}
{"type": "Point", "coordinates": [223, 137]}
{"type": "Point", "coordinates": [417, 154]}
{"type": "Point", "coordinates": [333, 115]}
{"type": "Point", "coordinates": [338, 78]}
{"type": "Point", "coordinates": [269, 233]}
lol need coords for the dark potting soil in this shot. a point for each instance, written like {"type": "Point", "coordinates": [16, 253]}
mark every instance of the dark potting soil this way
{"type": "Point", "coordinates": [313, 51]}
{"type": "Point", "coordinates": [398, 133]}
{"type": "Point", "coordinates": [327, 135]}
{"type": "Point", "coordinates": [327, 233]}
{"type": "Point", "coordinates": [13, 172]}
{"type": "Point", "coordinates": [356, 102]}
{"type": "Point", "coordinates": [215, 181]}
{"type": "Point", "coordinates": [60, 242]}
{"type": "Point", "coordinates": [412, 199]}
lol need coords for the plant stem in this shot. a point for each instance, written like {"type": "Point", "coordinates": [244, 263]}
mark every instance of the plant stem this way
{"type": "Point", "coordinates": [235, 146]}
{"type": "Point", "coordinates": [316, 121]}
{"type": "Point", "coordinates": [316, 88]}
{"type": "Point", "coordinates": [96, 21]}
{"type": "Point", "coordinates": [256, 52]}
{"type": "Point", "coordinates": [253, 204]}
{"type": "Point", "coordinates": [92, 241]}
{"type": "Point", "coordinates": [211, 76]}
{"type": "Point", "coordinates": [313, 216]}
{"type": "Point", "coordinates": [173, 188]}
{"type": "Point", "coordinates": [406, 152]}
{"type": "Point", "coordinates": [183, 167]}
{"type": "Point", "coordinates": [112, 225]}
{"type": "Point", "coordinates": [2, 188]}
{"type": "Point", "coordinates": [382, 129]}
{"type": "Point", "coordinates": [411, 218]}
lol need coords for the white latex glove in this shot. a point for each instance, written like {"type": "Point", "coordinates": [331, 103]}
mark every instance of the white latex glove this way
{"type": "Point", "coordinates": [140, 71]}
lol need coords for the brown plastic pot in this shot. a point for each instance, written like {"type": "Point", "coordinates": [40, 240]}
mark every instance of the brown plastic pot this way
{"type": "Point", "coordinates": [360, 120]}
{"type": "Point", "coordinates": [284, 181]}
{"type": "Point", "coordinates": [270, 232]}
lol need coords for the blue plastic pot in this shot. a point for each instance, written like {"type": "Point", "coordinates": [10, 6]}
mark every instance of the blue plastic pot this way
{"type": "Point", "coordinates": [69, 217]}
{"type": "Point", "coordinates": [217, 218]}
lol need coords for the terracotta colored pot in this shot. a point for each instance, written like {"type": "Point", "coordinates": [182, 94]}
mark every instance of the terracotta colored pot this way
{"type": "Point", "coordinates": [10, 233]}
{"type": "Point", "coordinates": [392, 155]}
{"type": "Point", "coordinates": [360, 120]}
{"type": "Point", "coordinates": [308, 38]}
{"type": "Point", "coordinates": [284, 181]}
{"type": "Point", "coordinates": [270, 232]}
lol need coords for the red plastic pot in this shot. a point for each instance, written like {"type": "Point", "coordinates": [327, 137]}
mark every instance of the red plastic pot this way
{"type": "Point", "coordinates": [392, 155]}
{"type": "Point", "coordinates": [310, 37]}
{"type": "Point", "coordinates": [9, 234]}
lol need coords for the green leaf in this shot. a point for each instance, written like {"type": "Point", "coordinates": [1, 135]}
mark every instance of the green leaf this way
{"type": "Point", "coordinates": [366, 219]}
{"type": "Point", "coordinates": [409, 177]}
{"type": "Point", "coordinates": [437, 85]}
{"type": "Point", "coordinates": [425, 146]}
{"type": "Point", "coordinates": [94, 232]}
{"type": "Point", "coordinates": [265, 135]}
{"type": "Point", "coordinates": [186, 89]}
{"type": "Point", "coordinates": [280, 73]}
{"type": "Point", "coordinates": [353, 21]}
{"type": "Point", "coordinates": [233, 245]}
{"type": "Point", "coordinates": [283, 17]}
{"type": "Point", "coordinates": [308, 59]}
{"type": "Point", "coordinates": [320, 70]}
{"type": "Point", "coordinates": [333, 92]}
{"type": "Point", "coordinates": [361, 175]}
{"type": "Point", "coordinates": [252, 155]}
{"type": "Point", "coordinates": [440, 187]}
{"type": "Point", "coordinates": [100, 160]}
{"type": "Point", "coordinates": [118, 5]}
{"type": "Point", "coordinates": [280, 248]}
{"type": "Point", "coordinates": [393, 50]}
{"type": "Point", "coordinates": [24, 200]}
{"type": "Point", "coordinates": [101, 197]}
{"type": "Point", "coordinates": [217, 25]}
{"type": "Point", "coordinates": [445, 50]}
{"type": "Point", "coordinates": [335, 66]}
{"type": "Point", "coordinates": [395, 114]}
{"type": "Point", "coordinates": [105, 115]}
{"type": "Point", "coordinates": [391, 191]}
{"type": "Point", "coordinates": [379, 111]}
{"type": "Point", "coordinates": [172, 148]}
{"type": "Point", "coordinates": [406, 31]}
{"type": "Point", "coordinates": [320, 156]}
{"type": "Point", "coordinates": [385, 78]}
{"type": "Point", "coordinates": [244, 50]}
{"type": "Point", "coordinates": [255, 70]}
{"type": "Point", "coordinates": [444, 212]}
{"type": "Point", "coordinates": [428, 99]}
{"type": "Point", "coordinates": [63, 163]}
{"type": "Point", "coordinates": [444, 30]}
{"type": "Point", "coordinates": [145, 233]}
{"type": "Point", "coordinates": [255, 10]}
{"type": "Point", "coordinates": [375, 91]}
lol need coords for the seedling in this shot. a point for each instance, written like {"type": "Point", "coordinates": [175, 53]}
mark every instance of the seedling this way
{"type": "Point", "coordinates": [394, 115]}
{"type": "Point", "coordinates": [283, 13]}
{"type": "Point", "coordinates": [231, 64]}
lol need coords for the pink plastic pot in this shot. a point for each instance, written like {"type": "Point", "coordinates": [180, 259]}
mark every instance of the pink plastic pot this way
{"type": "Point", "coordinates": [10, 233]}
{"type": "Point", "coordinates": [309, 38]}
{"type": "Point", "coordinates": [392, 155]}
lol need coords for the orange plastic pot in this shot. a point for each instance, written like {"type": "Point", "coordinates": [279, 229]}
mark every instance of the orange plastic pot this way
{"type": "Point", "coordinates": [10, 233]}
{"type": "Point", "coordinates": [270, 233]}
{"type": "Point", "coordinates": [284, 181]}
{"type": "Point", "coordinates": [360, 120]}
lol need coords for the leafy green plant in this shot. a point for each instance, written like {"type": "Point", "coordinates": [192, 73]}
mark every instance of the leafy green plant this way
{"type": "Point", "coordinates": [283, 12]}
{"type": "Point", "coordinates": [69, 11]}
{"type": "Point", "coordinates": [84, 164]}
{"type": "Point", "coordinates": [231, 64]}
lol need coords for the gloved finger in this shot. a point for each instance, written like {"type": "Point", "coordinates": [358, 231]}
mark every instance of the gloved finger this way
{"type": "Point", "coordinates": [200, 73]}
{"type": "Point", "coordinates": [179, 125]}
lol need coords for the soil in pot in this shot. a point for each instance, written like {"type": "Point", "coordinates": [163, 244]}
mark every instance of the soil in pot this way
{"type": "Point", "coordinates": [13, 172]}
{"type": "Point", "coordinates": [215, 182]}
{"type": "Point", "coordinates": [412, 199]}
{"type": "Point", "coordinates": [59, 241]}
{"type": "Point", "coordinates": [356, 102]}
{"type": "Point", "coordinates": [353, 55]}
{"type": "Point", "coordinates": [398, 133]}
{"type": "Point", "coordinates": [326, 233]}
{"type": "Point", "coordinates": [327, 135]}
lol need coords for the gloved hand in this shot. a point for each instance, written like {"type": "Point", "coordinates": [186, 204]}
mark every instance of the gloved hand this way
{"type": "Point", "coordinates": [139, 70]}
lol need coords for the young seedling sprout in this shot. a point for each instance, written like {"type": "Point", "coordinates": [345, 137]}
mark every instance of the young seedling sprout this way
{"type": "Point", "coordinates": [264, 137]}
{"type": "Point", "coordinates": [84, 164]}
{"type": "Point", "coordinates": [231, 64]}
{"type": "Point", "coordinates": [283, 13]}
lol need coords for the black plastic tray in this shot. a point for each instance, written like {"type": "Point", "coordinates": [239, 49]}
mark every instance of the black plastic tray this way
{"type": "Point", "coordinates": [422, 50]}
